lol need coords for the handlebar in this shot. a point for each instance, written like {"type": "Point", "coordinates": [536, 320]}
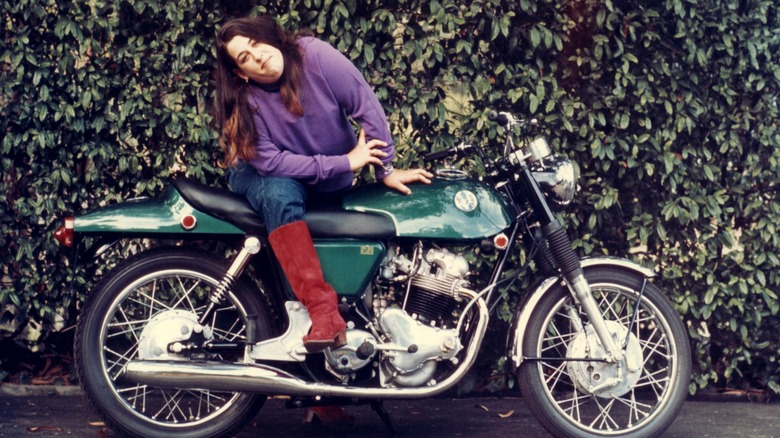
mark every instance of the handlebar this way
{"type": "Point", "coordinates": [507, 119]}
{"type": "Point", "coordinates": [461, 148]}
{"type": "Point", "coordinates": [502, 118]}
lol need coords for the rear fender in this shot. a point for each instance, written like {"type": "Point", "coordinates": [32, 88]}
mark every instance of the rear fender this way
{"type": "Point", "coordinates": [520, 321]}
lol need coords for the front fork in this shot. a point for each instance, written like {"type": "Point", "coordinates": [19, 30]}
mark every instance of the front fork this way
{"type": "Point", "coordinates": [568, 263]}
{"type": "Point", "coordinates": [580, 290]}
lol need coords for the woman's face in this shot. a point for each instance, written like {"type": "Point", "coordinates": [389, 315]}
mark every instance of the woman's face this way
{"type": "Point", "coordinates": [257, 61]}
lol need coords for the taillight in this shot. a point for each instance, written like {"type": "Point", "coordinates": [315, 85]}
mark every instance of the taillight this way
{"type": "Point", "coordinates": [64, 234]}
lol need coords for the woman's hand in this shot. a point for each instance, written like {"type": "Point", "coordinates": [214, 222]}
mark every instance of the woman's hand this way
{"type": "Point", "coordinates": [401, 177]}
{"type": "Point", "coordinates": [366, 153]}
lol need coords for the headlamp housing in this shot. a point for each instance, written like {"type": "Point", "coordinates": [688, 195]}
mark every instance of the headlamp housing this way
{"type": "Point", "coordinates": [557, 178]}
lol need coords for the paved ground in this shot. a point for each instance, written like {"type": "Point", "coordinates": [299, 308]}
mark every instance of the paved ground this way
{"type": "Point", "coordinates": [45, 416]}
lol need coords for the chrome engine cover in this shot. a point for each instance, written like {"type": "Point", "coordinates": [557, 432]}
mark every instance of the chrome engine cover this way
{"type": "Point", "coordinates": [415, 350]}
{"type": "Point", "coordinates": [344, 360]}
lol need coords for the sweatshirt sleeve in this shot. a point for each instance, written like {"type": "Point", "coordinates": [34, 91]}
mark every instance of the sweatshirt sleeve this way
{"type": "Point", "coordinates": [355, 95]}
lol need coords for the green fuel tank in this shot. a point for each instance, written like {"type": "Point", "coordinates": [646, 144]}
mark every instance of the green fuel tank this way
{"type": "Point", "coordinates": [445, 209]}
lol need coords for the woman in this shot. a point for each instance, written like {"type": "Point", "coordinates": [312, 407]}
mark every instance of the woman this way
{"type": "Point", "coordinates": [284, 103]}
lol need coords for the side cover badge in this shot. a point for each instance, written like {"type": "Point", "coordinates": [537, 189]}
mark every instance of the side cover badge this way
{"type": "Point", "coordinates": [466, 200]}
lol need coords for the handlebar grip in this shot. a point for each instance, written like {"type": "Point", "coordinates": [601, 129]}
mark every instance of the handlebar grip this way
{"type": "Point", "coordinates": [439, 154]}
{"type": "Point", "coordinates": [499, 118]}
{"type": "Point", "coordinates": [461, 148]}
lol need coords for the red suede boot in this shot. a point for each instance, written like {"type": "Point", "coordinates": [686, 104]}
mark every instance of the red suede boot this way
{"type": "Point", "coordinates": [294, 249]}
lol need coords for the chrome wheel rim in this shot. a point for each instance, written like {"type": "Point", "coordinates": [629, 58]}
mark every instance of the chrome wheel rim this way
{"type": "Point", "coordinates": [640, 395]}
{"type": "Point", "coordinates": [172, 292]}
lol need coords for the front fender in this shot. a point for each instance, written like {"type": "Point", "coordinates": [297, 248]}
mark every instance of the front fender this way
{"type": "Point", "coordinates": [520, 321]}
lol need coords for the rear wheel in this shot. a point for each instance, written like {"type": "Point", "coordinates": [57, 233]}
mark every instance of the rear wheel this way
{"type": "Point", "coordinates": [144, 305]}
{"type": "Point", "coordinates": [640, 395]}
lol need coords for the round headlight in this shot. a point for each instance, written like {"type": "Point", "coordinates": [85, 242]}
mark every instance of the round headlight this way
{"type": "Point", "coordinates": [557, 179]}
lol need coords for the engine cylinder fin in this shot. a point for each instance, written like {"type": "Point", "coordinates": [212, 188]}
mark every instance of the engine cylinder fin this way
{"type": "Point", "coordinates": [430, 306]}
{"type": "Point", "coordinates": [445, 284]}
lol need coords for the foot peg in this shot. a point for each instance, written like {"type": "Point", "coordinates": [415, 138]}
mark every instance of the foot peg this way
{"type": "Point", "coordinates": [317, 345]}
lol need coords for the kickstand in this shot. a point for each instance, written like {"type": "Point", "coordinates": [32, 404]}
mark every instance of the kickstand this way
{"type": "Point", "coordinates": [379, 407]}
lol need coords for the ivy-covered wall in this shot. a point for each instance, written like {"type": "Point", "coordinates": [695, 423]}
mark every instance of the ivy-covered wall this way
{"type": "Point", "coordinates": [668, 106]}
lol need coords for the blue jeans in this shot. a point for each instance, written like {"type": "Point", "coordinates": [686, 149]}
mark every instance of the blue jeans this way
{"type": "Point", "coordinates": [278, 200]}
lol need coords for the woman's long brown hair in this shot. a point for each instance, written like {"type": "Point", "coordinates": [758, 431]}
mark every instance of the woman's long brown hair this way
{"type": "Point", "coordinates": [232, 113]}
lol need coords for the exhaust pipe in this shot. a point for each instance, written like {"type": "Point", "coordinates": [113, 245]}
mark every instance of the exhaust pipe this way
{"type": "Point", "coordinates": [264, 379]}
{"type": "Point", "coordinates": [222, 376]}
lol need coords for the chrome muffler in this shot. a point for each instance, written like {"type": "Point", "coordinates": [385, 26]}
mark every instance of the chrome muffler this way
{"type": "Point", "coordinates": [220, 376]}
{"type": "Point", "coordinates": [264, 379]}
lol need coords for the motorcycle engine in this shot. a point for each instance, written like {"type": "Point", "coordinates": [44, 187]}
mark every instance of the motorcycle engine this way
{"type": "Point", "coordinates": [414, 332]}
{"type": "Point", "coordinates": [420, 331]}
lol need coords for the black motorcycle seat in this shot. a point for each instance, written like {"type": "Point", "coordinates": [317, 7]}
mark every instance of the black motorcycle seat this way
{"type": "Point", "coordinates": [235, 209]}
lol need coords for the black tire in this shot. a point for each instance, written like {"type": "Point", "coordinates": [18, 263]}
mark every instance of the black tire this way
{"type": "Point", "coordinates": [564, 395]}
{"type": "Point", "coordinates": [157, 283]}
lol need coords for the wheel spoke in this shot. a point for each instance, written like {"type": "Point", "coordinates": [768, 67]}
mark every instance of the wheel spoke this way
{"type": "Point", "coordinates": [168, 409]}
{"type": "Point", "coordinates": [236, 329]}
{"type": "Point", "coordinates": [656, 385]}
{"type": "Point", "coordinates": [635, 412]}
{"type": "Point", "coordinates": [131, 325]}
{"type": "Point", "coordinates": [185, 295]}
{"type": "Point", "coordinates": [152, 304]}
{"type": "Point", "coordinates": [207, 402]}
{"type": "Point", "coordinates": [557, 372]}
{"type": "Point", "coordinates": [120, 360]}
{"type": "Point", "coordinates": [574, 403]}
{"type": "Point", "coordinates": [135, 393]}
{"type": "Point", "coordinates": [557, 342]}
{"type": "Point", "coordinates": [604, 420]}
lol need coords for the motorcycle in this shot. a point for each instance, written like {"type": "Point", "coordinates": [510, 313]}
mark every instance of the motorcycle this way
{"type": "Point", "coordinates": [176, 341]}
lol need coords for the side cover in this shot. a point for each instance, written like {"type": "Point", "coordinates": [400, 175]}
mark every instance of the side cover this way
{"type": "Point", "coordinates": [349, 265]}
{"type": "Point", "coordinates": [444, 209]}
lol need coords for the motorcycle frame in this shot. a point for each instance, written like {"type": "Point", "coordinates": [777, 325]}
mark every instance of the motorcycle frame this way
{"type": "Point", "coordinates": [258, 377]}
{"type": "Point", "coordinates": [571, 269]}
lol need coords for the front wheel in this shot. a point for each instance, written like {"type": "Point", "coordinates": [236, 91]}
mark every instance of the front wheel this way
{"type": "Point", "coordinates": [573, 395]}
{"type": "Point", "coordinates": [144, 305]}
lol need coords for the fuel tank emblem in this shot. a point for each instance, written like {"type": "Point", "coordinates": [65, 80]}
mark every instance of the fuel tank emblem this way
{"type": "Point", "coordinates": [466, 200]}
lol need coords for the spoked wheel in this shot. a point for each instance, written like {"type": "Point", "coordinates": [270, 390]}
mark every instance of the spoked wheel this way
{"type": "Point", "coordinates": [638, 396]}
{"type": "Point", "coordinates": [137, 312]}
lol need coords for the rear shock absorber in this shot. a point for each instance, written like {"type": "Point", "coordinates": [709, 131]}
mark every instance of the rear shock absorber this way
{"type": "Point", "coordinates": [251, 247]}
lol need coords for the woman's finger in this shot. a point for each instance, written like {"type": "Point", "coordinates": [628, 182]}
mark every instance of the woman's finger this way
{"type": "Point", "coordinates": [362, 136]}
{"type": "Point", "coordinates": [375, 143]}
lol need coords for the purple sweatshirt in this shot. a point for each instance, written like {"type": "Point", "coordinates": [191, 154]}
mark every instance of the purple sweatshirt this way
{"type": "Point", "coordinates": [313, 148]}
